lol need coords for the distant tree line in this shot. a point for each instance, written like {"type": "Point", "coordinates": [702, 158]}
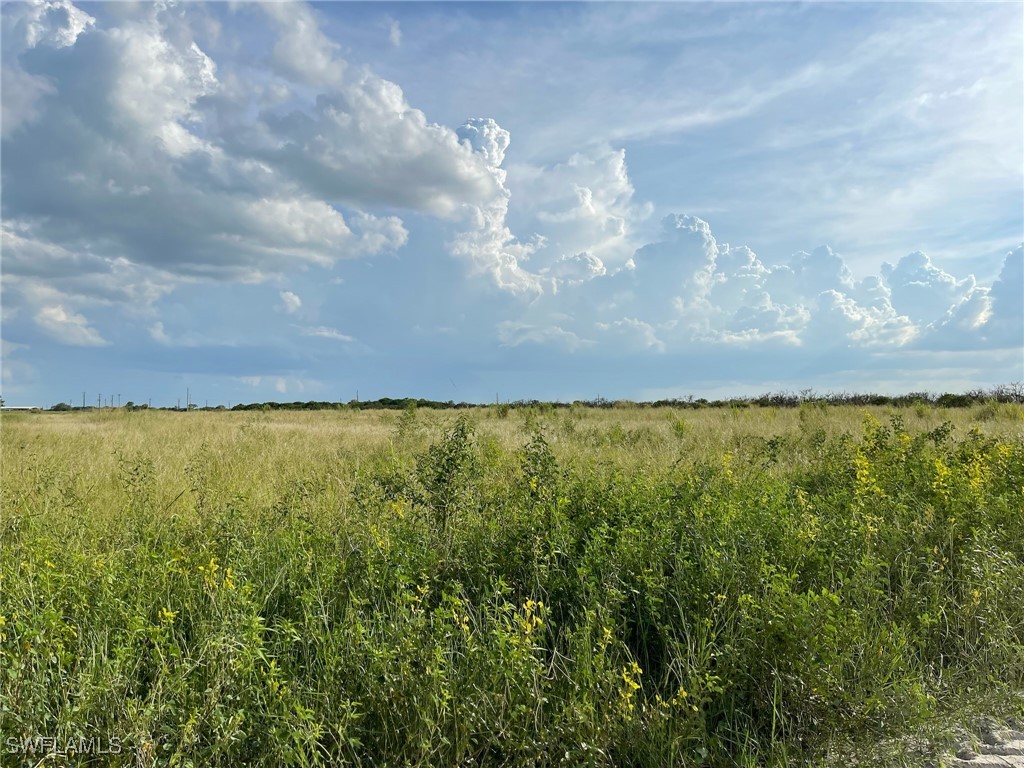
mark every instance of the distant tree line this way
{"type": "Point", "coordinates": [1005, 393]}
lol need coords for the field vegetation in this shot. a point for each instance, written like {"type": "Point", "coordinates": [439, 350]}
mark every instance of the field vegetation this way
{"type": "Point", "coordinates": [495, 586]}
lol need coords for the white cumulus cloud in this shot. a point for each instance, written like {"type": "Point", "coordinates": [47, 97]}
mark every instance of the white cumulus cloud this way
{"type": "Point", "coordinates": [68, 327]}
{"type": "Point", "coordinates": [290, 302]}
{"type": "Point", "coordinates": [302, 51]}
{"type": "Point", "coordinates": [489, 245]}
{"type": "Point", "coordinates": [688, 289]}
{"type": "Point", "coordinates": [921, 290]}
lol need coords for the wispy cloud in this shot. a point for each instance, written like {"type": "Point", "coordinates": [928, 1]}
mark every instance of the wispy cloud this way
{"type": "Point", "coordinates": [323, 332]}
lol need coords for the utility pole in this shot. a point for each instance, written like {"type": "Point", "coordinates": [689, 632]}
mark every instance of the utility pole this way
{"type": "Point", "coordinates": [99, 400]}
{"type": "Point", "coordinates": [178, 406]}
{"type": "Point", "coordinates": [188, 399]}
{"type": "Point", "coordinates": [83, 400]}
{"type": "Point", "coordinates": [118, 399]}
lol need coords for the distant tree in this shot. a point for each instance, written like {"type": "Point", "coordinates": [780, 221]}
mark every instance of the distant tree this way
{"type": "Point", "coordinates": [61, 407]}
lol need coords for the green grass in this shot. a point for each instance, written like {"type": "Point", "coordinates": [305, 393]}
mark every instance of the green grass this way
{"type": "Point", "coordinates": [579, 587]}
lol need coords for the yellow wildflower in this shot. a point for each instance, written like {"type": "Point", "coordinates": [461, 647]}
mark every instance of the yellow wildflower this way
{"type": "Point", "coordinates": [209, 572]}
{"type": "Point", "coordinates": [630, 686]}
{"type": "Point", "coordinates": [531, 621]}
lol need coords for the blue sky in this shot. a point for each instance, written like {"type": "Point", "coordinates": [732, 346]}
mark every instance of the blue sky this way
{"type": "Point", "coordinates": [526, 200]}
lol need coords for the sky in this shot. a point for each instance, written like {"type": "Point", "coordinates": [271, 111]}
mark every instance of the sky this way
{"type": "Point", "coordinates": [480, 201]}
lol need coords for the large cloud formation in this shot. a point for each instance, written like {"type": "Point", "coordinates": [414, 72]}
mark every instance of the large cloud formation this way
{"type": "Point", "coordinates": [686, 288]}
{"type": "Point", "coordinates": [134, 163]}
{"type": "Point", "coordinates": [582, 210]}
{"type": "Point", "coordinates": [489, 245]}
